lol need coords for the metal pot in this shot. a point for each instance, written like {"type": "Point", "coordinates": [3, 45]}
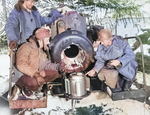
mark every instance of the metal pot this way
{"type": "Point", "coordinates": [77, 84]}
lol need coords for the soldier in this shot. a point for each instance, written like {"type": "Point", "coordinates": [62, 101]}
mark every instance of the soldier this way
{"type": "Point", "coordinates": [23, 19]}
{"type": "Point", "coordinates": [32, 61]}
{"type": "Point", "coordinates": [114, 56]}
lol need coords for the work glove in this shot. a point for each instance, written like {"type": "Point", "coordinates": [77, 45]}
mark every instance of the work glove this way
{"type": "Point", "coordinates": [112, 67]}
{"type": "Point", "coordinates": [55, 14]}
{"type": "Point", "coordinates": [109, 66]}
{"type": "Point", "coordinates": [119, 66]}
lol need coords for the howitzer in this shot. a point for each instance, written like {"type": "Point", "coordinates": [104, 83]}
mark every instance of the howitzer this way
{"type": "Point", "coordinates": [72, 48]}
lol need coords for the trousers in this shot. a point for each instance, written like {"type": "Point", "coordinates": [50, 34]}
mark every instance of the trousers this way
{"type": "Point", "coordinates": [31, 84]}
{"type": "Point", "coordinates": [109, 76]}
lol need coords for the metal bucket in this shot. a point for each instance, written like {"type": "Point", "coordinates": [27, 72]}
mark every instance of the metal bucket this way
{"type": "Point", "coordinates": [77, 84]}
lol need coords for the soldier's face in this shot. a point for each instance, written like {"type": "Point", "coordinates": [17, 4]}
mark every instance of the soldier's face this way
{"type": "Point", "coordinates": [29, 4]}
{"type": "Point", "coordinates": [104, 39]}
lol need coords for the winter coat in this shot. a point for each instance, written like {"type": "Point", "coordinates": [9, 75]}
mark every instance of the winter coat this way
{"type": "Point", "coordinates": [18, 27]}
{"type": "Point", "coordinates": [29, 57]}
{"type": "Point", "coordinates": [119, 49]}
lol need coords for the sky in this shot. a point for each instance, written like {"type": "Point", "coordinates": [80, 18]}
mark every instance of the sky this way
{"type": "Point", "coordinates": [146, 8]}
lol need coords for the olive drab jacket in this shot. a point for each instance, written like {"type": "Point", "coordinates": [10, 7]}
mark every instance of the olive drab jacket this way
{"type": "Point", "coordinates": [29, 58]}
{"type": "Point", "coordinates": [120, 50]}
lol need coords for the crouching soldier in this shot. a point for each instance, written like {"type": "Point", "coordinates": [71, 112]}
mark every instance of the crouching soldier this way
{"type": "Point", "coordinates": [114, 56]}
{"type": "Point", "coordinates": [32, 61]}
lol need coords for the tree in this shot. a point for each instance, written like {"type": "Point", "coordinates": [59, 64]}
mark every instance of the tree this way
{"type": "Point", "coordinates": [124, 10]}
{"type": "Point", "coordinates": [145, 36]}
{"type": "Point", "coordinates": [7, 6]}
{"type": "Point", "coordinates": [146, 62]}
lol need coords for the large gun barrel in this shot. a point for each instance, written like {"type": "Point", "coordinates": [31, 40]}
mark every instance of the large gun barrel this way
{"type": "Point", "coordinates": [72, 49]}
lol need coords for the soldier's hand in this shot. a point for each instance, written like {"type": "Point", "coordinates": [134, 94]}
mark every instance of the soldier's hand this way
{"type": "Point", "coordinates": [39, 78]}
{"type": "Point", "coordinates": [91, 73]}
{"type": "Point", "coordinates": [55, 14]}
{"type": "Point", "coordinates": [115, 62]}
{"type": "Point", "coordinates": [13, 44]}
{"type": "Point", "coordinates": [61, 68]}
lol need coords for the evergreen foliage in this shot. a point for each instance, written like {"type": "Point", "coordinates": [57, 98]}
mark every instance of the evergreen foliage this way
{"type": "Point", "coordinates": [146, 62]}
{"type": "Point", "coordinates": [91, 110]}
{"type": "Point", "coordinates": [145, 37]}
{"type": "Point", "coordinates": [3, 41]}
{"type": "Point", "coordinates": [123, 10]}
